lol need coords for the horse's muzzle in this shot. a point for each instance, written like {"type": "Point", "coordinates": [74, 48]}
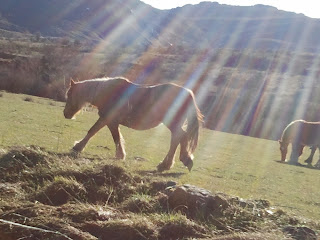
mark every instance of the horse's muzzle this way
{"type": "Point", "coordinates": [67, 115]}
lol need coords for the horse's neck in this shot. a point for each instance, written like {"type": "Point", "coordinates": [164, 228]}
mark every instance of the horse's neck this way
{"type": "Point", "coordinates": [88, 91]}
{"type": "Point", "coordinates": [291, 131]}
{"type": "Point", "coordinates": [286, 134]}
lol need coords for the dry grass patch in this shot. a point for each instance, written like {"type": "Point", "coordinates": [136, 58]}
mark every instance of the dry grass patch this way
{"type": "Point", "coordinates": [61, 191]}
{"type": "Point", "coordinates": [20, 158]}
{"type": "Point", "coordinates": [55, 196]}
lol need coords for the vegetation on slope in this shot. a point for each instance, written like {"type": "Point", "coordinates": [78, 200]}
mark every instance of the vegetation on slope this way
{"type": "Point", "coordinates": [92, 196]}
{"type": "Point", "coordinates": [241, 92]}
{"type": "Point", "coordinates": [55, 196]}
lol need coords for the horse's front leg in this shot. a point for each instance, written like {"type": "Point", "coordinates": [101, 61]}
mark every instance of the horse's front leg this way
{"type": "Point", "coordinates": [118, 140]}
{"type": "Point", "coordinates": [300, 150]}
{"type": "Point", "coordinates": [79, 146]}
{"type": "Point", "coordinates": [317, 165]}
{"type": "Point", "coordinates": [296, 152]}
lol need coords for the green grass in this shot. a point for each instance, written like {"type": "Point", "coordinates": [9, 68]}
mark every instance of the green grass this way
{"type": "Point", "coordinates": [236, 165]}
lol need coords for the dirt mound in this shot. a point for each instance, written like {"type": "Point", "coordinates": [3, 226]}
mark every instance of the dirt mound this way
{"type": "Point", "coordinates": [20, 158]}
{"type": "Point", "coordinates": [60, 191]}
{"type": "Point", "coordinates": [54, 196]}
{"type": "Point", "coordinates": [106, 184]}
{"type": "Point", "coordinates": [122, 229]}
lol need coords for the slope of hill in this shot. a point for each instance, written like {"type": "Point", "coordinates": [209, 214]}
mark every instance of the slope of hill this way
{"type": "Point", "coordinates": [48, 193]}
{"type": "Point", "coordinates": [204, 25]}
{"type": "Point", "coordinates": [250, 67]}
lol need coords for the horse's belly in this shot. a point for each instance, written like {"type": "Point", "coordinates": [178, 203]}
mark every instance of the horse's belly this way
{"type": "Point", "coordinates": [140, 122]}
{"type": "Point", "coordinates": [140, 125]}
{"type": "Point", "coordinates": [311, 141]}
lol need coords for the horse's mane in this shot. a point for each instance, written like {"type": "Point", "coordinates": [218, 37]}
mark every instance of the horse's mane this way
{"type": "Point", "coordinates": [104, 79]}
{"type": "Point", "coordinates": [292, 127]}
{"type": "Point", "coordinates": [287, 131]}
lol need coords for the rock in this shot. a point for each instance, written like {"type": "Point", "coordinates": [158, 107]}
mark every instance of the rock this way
{"type": "Point", "coordinates": [192, 201]}
{"type": "Point", "coordinates": [300, 233]}
{"type": "Point", "coordinates": [159, 186]}
{"type": "Point", "coordinates": [251, 204]}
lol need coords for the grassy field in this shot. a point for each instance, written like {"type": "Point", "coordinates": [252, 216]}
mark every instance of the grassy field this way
{"type": "Point", "coordinates": [236, 165]}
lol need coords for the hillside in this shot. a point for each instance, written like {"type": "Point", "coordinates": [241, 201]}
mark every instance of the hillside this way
{"type": "Point", "coordinates": [253, 69]}
{"type": "Point", "coordinates": [236, 190]}
{"type": "Point", "coordinates": [104, 201]}
{"type": "Point", "coordinates": [206, 25]}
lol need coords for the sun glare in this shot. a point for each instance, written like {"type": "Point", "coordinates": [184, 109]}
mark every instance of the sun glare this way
{"type": "Point", "coordinates": [239, 108]}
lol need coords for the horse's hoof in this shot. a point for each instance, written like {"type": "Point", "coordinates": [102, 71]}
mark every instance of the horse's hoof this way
{"type": "Point", "coordinates": [120, 157]}
{"type": "Point", "coordinates": [161, 168]}
{"type": "Point", "coordinates": [74, 153]}
{"type": "Point", "coordinates": [190, 165]}
{"type": "Point", "coordinates": [308, 161]}
{"type": "Point", "coordinates": [188, 162]}
{"type": "Point", "coordinates": [78, 146]}
{"type": "Point", "coordinates": [317, 165]}
{"type": "Point", "coordinates": [309, 164]}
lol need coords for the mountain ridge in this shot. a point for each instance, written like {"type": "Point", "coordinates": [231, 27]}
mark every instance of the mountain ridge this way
{"type": "Point", "coordinates": [128, 23]}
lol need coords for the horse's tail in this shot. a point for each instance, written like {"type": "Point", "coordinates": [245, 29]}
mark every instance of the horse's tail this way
{"type": "Point", "coordinates": [195, 119]}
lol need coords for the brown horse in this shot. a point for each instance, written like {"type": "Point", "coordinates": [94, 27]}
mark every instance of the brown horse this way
{"type": "Point", "coordinates": [121, 102]}
{"type": "Point", "coordinates": [300, 133]}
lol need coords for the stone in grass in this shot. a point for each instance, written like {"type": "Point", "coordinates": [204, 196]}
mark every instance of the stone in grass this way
{"type": "Point", "coordinates": [192, 200]}
{"type": "Point", "coordinates": [300, 233]}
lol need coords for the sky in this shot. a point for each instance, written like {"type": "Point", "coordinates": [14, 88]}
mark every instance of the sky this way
{"type": "Point", "coordinates": [310, 8]}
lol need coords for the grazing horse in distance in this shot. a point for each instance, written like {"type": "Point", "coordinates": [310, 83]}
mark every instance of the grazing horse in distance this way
{"type": "Point", "coordinates": [300, 133]}
{"type": "Point", "coordinates": [140, 107]}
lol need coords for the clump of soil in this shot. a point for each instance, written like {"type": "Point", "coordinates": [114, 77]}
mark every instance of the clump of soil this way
{"type": "Point", "coordinates": [20, 158]}
{"type": "Point", "coordinates": [181, 230]}
{"type": "Point", "coordinates": [131, 229]}
{"type": "Point", "coordinates": [51, 196]}
{"type": "Point", "coordinates": [60, 191]}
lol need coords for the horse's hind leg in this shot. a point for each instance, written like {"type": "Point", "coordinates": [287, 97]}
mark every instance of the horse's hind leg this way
{"type": "Point", "coordinates": [310, 158]}
{"type": "Point", "coordinates": [317, 165]}
{"type": "Point", "coordinates": [118, 140]}
{"type": "Point", "coordinates": [185, 156]}
{"type": "Point", "coordinates": [168, 161]}
{"type": "Point", "coordinates": [79, 146]}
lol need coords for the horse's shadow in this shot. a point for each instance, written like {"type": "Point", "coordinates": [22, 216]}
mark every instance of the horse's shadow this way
{"type": "Point", "coordinates": [74, 155]}
{"type": "Point", "coordinates": [162, 174]}
{"type": "Point", "coordinates": [78, 155]}
{"type": "Point", "coordinates": [309, 166]}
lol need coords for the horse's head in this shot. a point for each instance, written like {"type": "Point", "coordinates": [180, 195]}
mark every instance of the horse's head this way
{"type": "Point", "coordinates": [283, 149]}
{"type": "Point", "coordinates": [74, 101]}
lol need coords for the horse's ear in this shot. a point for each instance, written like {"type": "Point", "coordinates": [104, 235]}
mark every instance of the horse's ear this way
{"type": "Point", "coordinates": [72, 82]}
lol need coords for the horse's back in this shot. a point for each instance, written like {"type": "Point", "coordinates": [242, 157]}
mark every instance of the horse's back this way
{"type": "Point", "coordinates": [151, 105]}
{"type": "Point", "coordinates": [311, 133]}
{"type": "Point", "coordinates": [110, 93]}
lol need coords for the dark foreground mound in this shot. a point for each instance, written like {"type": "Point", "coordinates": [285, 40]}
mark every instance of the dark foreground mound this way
{"type": "Point", "coordinates": [54, 196]}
